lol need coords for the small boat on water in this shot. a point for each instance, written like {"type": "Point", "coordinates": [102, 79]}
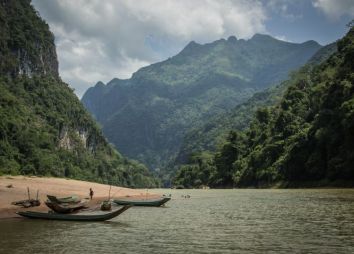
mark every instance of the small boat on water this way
{"type": "Point", "coordinates": [66, 207]}
{"type": "Point", "coordinates": [90, 215]}
{"type": "Point", "coordinates": [144, 202]}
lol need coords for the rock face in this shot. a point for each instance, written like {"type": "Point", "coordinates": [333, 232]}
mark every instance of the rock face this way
{"type": "Point", "coordinates": [44, 128]}
{"type": "Point", "coordinates": [147, 116]}
{"type": "Point", "coordinates": [33, 54]}
{"type": "Point", "coordinates": [45, 64]}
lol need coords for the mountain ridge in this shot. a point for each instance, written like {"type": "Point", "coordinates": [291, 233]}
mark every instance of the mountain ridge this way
{"type": "Point", "coordinates": [215, 131]}
{"type": "Point", "coordinates": [146, 116]}
{"type": "Point", "coordinates": [304, 139]}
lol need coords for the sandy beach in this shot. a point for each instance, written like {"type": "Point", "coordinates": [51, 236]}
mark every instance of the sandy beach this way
{"type": "Point", "coordinates": [58, 187]}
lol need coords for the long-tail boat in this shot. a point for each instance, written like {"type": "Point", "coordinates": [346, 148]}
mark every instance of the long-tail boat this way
{"type": "Point", "coordinates": [142, 202]}
{"type": "Point", "coordinates": [91, 215]}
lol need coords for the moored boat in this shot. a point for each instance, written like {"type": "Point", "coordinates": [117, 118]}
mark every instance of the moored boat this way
{"type": "Point", "coordinates": [70, 199]}
{"type": "Point", "coordinates": [140, 202]}
{"type": "Point", "coordinates": [66, 207]}
{"type": "Point", "coordinates": [96, 215]}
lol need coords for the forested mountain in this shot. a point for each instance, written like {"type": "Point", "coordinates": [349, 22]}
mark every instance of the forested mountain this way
{"type": "Point", "coordinates": [44, 129]}
{"type": "Point", "coordinates": [216, 129]}
{"type": "Point", "coordinates": [306, 139]}
{"type": "Point", "coordinates": [147, 116]}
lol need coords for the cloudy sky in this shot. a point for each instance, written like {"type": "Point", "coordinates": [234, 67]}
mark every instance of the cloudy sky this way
{"type": "Point", "coordinates": [99, 40]}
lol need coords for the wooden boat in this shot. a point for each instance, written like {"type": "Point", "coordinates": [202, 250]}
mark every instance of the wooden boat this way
{"type": "Point", "coordinates": [66, 207]}
{"type": "Point", "coordinates": [30, 202]}
{"type": "Point", "coordinates": [79, 216]}
{"type": "Point", "coordinates": [27, 203]}
{"type": "Point", "coordinates": [145, 202]}
{"type": "Point", "coordinates": [71, 199]}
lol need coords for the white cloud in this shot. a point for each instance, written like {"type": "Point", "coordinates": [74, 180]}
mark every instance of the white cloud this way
{"type": "Point", "coordinates": [285, 8]}
{"type": "Point", "coordinates": [282, 38]}
{"type": "Point", "coordinates": [100, 40]}
{"type": "Point", "coordinates": [335, 9]}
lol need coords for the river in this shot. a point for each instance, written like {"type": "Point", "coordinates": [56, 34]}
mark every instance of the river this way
{"type": "Point", "coordinates": [210, 221]}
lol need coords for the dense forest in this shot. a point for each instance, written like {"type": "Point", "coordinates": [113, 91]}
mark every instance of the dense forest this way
{"type": "Point", "coordinates": [44, 129]}
{"type": "Point", "coordinates": [213, 133]}
{"type": "Point", "coordinates": [306, 139]}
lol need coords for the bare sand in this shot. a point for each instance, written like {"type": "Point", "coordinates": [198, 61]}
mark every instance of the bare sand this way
{"type": "Point", "coordinates": [58, 187]}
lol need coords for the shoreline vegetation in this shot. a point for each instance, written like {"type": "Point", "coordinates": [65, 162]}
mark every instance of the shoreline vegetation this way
{"type": "Point", "coordinates": [58, 187]}
{"type": "Point", "coordinates": [324, 184]}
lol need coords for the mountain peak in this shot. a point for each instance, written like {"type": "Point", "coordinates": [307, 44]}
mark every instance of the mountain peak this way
{"type": "Point", "coordinates": [262, 37]}
{"type": "Point", "coordinates": [191, 45]}
{"type": "Point", "coordinates": [114, 81]}
{"type": "Point", "coordinates": [99, 84]}
{"type": "Point", "coordinates": [232, 39]}
{"type": "Point", "coordinates": [311, 43]}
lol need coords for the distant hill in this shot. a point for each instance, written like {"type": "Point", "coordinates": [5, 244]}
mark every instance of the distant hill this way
{"type": "Point", "coordinates": [305, 139]}
{"type": "Point", "coordinates": [147, 116]}
{"type": "Point", "coordinates": [44, 129]}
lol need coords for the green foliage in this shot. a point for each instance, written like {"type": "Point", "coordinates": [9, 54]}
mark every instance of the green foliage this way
{"type": "Point", "coordinates": [148, 116]}
{"type": "Point", "coordinates": [26, 44]}
{"type": "Point", "coordinates": [199, 172]}
{"type": "Point", "coordinates": [34, 112]}
{"type": "Point", "coordinates": [306, 137]}
{"type": "Point", "coordinates": [44, 129]}
{"type": "Point", "coordinates": [213, 133]}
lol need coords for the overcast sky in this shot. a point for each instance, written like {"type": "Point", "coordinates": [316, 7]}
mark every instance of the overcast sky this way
{"type": "Point", "coordinates": [100, 40]}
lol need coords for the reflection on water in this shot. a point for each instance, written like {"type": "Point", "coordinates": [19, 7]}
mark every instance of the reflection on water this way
{"type": "Point", "coordinates": [211, 221]}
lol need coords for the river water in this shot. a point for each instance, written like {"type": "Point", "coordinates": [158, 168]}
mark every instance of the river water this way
{"type": "Point", "coordinates": [211, 221]}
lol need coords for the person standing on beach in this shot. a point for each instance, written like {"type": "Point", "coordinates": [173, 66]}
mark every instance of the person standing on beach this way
{"type": "Point", "coordinates": [91, 193]}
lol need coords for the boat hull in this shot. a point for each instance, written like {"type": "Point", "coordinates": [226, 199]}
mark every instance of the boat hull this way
{"type": "Point", "coordinates": [157, 202]}
{"type": "Point", "coordinates": [70, 200]}
{"type": "Point", "coordinates": [101, 216]}
{"type": "Point", "coordinates": [66, 207]}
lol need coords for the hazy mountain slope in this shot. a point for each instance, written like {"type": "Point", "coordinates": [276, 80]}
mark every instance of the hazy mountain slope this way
{"type": "Point", "coordinates": [44, 129]}
{"type": "Point", "coordinates": [216, 129]}
{"type": "Point", "coordinates": [305, 139]}
{"type": "Point", "coordinates": [147, 116]}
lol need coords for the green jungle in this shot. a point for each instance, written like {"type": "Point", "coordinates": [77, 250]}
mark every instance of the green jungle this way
{"type": "Point", "coordinates": [305, 139]}
{"type": "Point", "coordinates": [44, 128]}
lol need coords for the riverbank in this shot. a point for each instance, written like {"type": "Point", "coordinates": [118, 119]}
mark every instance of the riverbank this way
{"type": "Point", "coordinates": [57, 187]}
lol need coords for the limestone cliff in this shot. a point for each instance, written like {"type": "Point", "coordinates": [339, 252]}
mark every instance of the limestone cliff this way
{"type": "Point", "coordinates": [44, 129]}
